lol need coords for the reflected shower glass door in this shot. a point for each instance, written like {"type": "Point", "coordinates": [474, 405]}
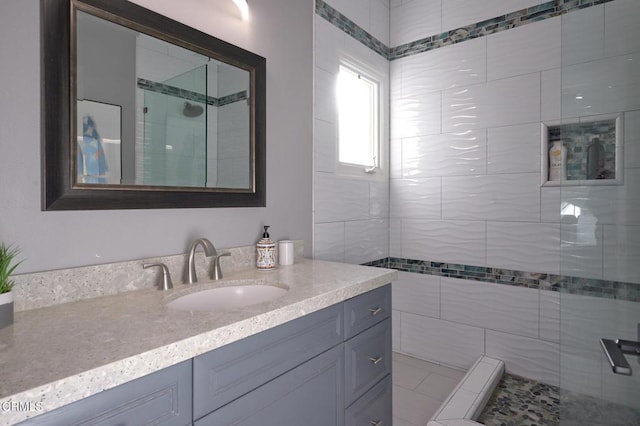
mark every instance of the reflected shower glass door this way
{"type": "Point", "coordinates": [599, 216]}
{"type": "Point", "coordinates": [175, 131]}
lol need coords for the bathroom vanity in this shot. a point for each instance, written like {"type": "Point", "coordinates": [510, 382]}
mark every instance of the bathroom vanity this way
{"type": "Point", "coordinates": [319, 355]}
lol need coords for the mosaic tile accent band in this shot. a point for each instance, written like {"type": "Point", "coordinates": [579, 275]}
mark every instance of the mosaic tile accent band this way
{"type": "Point", "coordinates": [511, 20]}
{"type": "Point", "coordinates": [348, 26]}
{"type": "Point", "coordinates": [189, 95]}
{"type": "Point", "coordinates": [537, 280]}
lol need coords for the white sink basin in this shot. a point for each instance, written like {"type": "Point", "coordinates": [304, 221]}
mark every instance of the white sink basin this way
{"type": "Point", "coordinates": [224, 298]}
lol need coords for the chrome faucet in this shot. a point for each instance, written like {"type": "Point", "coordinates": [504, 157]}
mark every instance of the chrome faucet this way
{"type": "Point", "coordinates": [209, 250]}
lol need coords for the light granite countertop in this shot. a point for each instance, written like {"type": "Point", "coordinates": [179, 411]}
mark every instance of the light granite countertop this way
{"type": "Point", "coordinates": [56, 355]}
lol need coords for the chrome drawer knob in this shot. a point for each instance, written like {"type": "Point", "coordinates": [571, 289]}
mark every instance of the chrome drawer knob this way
{"type": "Point", "coordinates": [375, 311]}
{"type": "Point", "coordinates": [375, 360]}
{"type": "Point", "coordinates": [375, 422]}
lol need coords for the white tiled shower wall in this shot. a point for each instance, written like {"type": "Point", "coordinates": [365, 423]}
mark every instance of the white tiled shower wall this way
{"type": "Point", "coordinates": [465, 184]}
{"type": "Point", "coordinates": [351, 213]}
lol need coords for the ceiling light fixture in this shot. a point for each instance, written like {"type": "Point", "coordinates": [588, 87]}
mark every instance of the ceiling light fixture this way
{"type": "Point", "coordinates": [244, 8]}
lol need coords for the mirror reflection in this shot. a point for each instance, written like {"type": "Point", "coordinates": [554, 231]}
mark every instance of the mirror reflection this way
{"type": "Point", "coordinates": [152, 113]}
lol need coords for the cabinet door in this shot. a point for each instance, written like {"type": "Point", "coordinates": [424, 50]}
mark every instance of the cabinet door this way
{"type": "Point", "coordinates": [160, 398]}
{"type": "Point", "coordinates": [374, 408]}
{"type": "Point", "coordinates": [366, 310]}
{"type": "Point", "coordinates": [222, 375]}
{"type": "Point", "coordinates": [368, 359]}
{"type": "Point", "coordinates": [309, 395]}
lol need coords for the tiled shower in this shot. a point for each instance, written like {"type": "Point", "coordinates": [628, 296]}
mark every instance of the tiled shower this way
{"type": "Point", "coordinates": [492, 260]}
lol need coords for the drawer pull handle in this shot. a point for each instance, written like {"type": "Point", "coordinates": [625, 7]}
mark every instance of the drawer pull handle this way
{"type": "Point", "coordinates": [375, 311]}
{"type": "Point", "coordinates": [375, 422]}
{"type": "Point", "coordinates": [375, 360]}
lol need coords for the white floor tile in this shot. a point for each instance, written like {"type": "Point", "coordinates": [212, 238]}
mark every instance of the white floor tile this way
{"type": "Point", "coordinates": [412, 406]}
{"type": "Point", "coordinates": [415, 403]}
{"type": "Point", "coordinates": [437, 387]}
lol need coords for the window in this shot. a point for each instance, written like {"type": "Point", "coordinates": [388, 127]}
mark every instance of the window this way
{"type": "Point", "coordinates": [358, 120]}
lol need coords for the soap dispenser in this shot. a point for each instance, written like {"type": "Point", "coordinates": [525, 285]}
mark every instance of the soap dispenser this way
{"type": "Point", "coordinates": [266, 259]}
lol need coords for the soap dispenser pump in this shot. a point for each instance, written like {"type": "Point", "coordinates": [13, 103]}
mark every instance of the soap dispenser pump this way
{"type": "Point", "coordinates": [266, 259]}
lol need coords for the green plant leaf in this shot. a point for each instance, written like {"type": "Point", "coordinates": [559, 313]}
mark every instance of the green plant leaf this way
{"type": "Point", "coordinates": [7, 266]}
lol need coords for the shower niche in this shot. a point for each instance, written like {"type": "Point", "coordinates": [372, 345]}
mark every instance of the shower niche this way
{"type": "Point", "coordinates": [583, 152]}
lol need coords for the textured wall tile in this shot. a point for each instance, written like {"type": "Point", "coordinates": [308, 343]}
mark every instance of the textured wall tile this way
{"type": "Point", "coordinates": [615, 205]}
{"type": "Point", "coordinates": [446, 154]}
{"type": "Point", "coordinates": [550, 198]}
{"type": "Point", "coordinates": [514, 197]}
{"type": "Point", "coordinates": [444, 342]}
{"type": "Point", "coordinates": [498, 103]}
{"type": "Point", "coordinates": [418, 198]}
{"type": "Point", "coordinates": [366, 240]}
{"type": "Point", "coordinates": [493, 306]}
{"type": "Point", "coordinates": [524, 246]}
{"type": "Point", "coordinates": [396, 330]}
{"type": "Point", "coordinates": [339, 199]}
{"type": "Point", "coordinates": [459, 13]}
{"type": "Point", "coordinates": [514, 149]}
{"type": "Point", "coordinates": [582, 373]}
{"type": "Point", "coordinates": [621, 30]}
{"type": "Point", "coordinates": [632, 139]}
{"type": "Point", "coordinates": [379, 199]}
{"type": "Point", "coordinates": [395, 158]}
{"type": "Point", "coordinates": [325, 146]}
{"type": "Point", "coordinates": [324, 98]}
{"type": "Point", "coordinates": [380, 16]}
{"type": "Point", "coordinates": [458, 65]}
{"type": "Point", "coordinates": [603, 86]}
{"type": "Point", "coordinates": [328, 39]}
{"type": "Point", "coordinates": [444, 241]}
{"type": "Point", "coordinates": [581, 253]}
{"type": "Point", "coordinates": [329, 241]}
{"type": "Point", "coordinates": [395, 237]}
{"type": "Point", "coordinates": [532, 358]}
{"type": "Point", "coordinates": [585, 320]}
{"type": "Point", "coordinates": [417, 294]}
{"type": "Point", "coordinates": [621, 253]}
{"type": "Point", "coordinates": [414, 20]}
{"type": "Point", "coordinates": [583, 35]}
{"type": "Point", "coordinates": [551, 93]}
{"type": "Point", "coordinates": [525, 49]}
{"type": "Point", "coordinates": [550, 316]}
{"type": "Point", "coordinates": [415, 115]}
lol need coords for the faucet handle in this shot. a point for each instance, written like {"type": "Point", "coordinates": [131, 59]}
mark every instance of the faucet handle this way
{"type": "Point", "coordinates": [167, 284]}
{"type": "Point", "coordinates": [217, 270]}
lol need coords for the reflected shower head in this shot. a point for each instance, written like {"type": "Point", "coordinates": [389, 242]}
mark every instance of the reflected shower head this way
{"type": "Point", "coordinates": [192, 110]}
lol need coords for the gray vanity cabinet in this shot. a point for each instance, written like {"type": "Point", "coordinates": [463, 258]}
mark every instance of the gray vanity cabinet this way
{"type": "Point", "coordinates": [160, 398]}
{"type": "Point", "coordinates": [331, 367]}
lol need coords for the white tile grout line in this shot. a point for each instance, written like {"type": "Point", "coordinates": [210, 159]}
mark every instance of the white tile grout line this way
{"type": "Point", "coordinates": [457, 407]}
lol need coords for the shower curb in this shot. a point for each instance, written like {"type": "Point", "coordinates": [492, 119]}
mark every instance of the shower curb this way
{"type": "Point", "coordinates": [466, 402]}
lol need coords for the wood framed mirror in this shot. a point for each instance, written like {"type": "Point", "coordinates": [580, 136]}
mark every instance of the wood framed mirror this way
{"type": "Point", "coordinates": [142, 112]}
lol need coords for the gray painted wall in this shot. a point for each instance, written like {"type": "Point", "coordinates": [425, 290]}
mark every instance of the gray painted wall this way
{"type": "Point", "coordinates": [280, 30]}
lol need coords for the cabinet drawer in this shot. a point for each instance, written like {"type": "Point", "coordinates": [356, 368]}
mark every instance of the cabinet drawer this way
{"type": "Point", "coordinates": [231, 371]}
{"type": "Point", "coordinates": [374, 408]}
{"type": "Point", "coordinates": [310, 394]}
{"type": "Point", "coordinates": [160, 398]}
{"type": "Point", "coordinates": [365, 310]}
{"type": "Point", "coordinates": [367, 359]}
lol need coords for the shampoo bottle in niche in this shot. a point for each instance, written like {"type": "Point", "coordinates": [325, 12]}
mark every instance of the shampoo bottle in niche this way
{"type": "Point", "coordinates": [595, 160]}
{"type": "Point", "coordinates": [557, 161]}
{"type": "Point", "coordinates": [266, 256]}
